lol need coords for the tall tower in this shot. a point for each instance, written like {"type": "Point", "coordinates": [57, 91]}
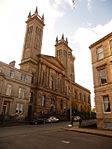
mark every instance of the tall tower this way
{"type": "Point", "coordinates": [64, 54]}
{"type": "Point", "coordinates": [33, 39]}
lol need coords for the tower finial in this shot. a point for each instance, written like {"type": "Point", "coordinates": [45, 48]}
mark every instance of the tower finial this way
{"type": "Point", "coordinates": [66, 40]}
{"type": "Point", "coordinates": [57, 39]}
{"type": "Point", "coordinates": [43, 17]}
{"type": "Point", "coordinates": [36, 10]}
{"type": "Point", "coordinates": [29, 15]}
{"type": "Point", "coordinates": [62, 36]}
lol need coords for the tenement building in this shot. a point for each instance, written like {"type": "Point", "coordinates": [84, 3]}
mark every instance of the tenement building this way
{"type": "Point", "coordinates": [101, 52]}
{"type": "Point", "coordinates": [14, 90]}
{"type": "Point", "coordinates": [44, 84]}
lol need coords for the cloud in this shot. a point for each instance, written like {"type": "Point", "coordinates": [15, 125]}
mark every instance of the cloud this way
{"type": "Point", "coordinates": [82, 39]}
{"type": "Point", "coordinates": [51, 10]}
{"type": "Point", "coordinates": [89, 4]}
{"type": "Point", "coordinates": [86, 36]}
{"type": "Point", "coordinates": [103, 0]}
{"type": "Point", "coordinates": [102, 30]}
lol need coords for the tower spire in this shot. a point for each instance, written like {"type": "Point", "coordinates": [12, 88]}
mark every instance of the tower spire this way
{"type": "Point", "coordinates": [66, 40]}
{"type": "Point", "coordinates": [29, 15]}
{"type": "Point", "coordinates": [43, 17]}
{"type": "Point", "coordinates": [62, 36]}
{"type": "Point", "coordinates": [36, 10]}
{"type": "Point", "coordinates": [57, 39]}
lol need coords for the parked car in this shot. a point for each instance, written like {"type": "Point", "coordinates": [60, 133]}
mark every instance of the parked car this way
{"type": "Point", "coordinates": [38, 120]}
{"type": "Point", "coordinates": [77, 118]}
{"type": "Point", "coordinates": [52, 119]}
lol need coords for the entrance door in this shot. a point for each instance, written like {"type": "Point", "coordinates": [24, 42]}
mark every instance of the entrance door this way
{"type": "Point", "coordinates": [5, 109]}
{"type": "Point", "coordinates": [30, 112]}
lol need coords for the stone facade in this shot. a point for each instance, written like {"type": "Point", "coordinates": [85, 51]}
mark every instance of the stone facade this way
{"type": "Point", "coordinates": [53, 85]}
{"type": "Point", "coordinates": [14, 90]}
{"type": "Point", "coordinates": [101, 53]}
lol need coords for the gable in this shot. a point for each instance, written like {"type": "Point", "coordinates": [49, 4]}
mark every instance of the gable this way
{"type": "Point", "coordinates": [53, 60]}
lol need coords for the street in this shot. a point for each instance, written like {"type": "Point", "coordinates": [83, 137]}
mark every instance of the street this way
{"type": "Point", "coordinates": [49, 136]}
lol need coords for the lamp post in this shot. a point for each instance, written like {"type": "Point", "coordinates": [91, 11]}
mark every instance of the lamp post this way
{"type": "Point", "coordinates": [71, 122]}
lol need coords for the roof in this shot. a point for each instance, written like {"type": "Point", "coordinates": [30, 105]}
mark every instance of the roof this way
{"type": "Point", "coordinates": [100, 40]}
{"type": "Point", "coordinates": [53, 60]}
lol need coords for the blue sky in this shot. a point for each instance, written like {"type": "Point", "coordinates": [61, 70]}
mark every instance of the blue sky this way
{"type": "Point", "coordinates": [89, 21]}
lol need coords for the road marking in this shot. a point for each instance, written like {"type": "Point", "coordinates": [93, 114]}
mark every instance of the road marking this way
{"type": "Point", "coordinates": [66, 142]}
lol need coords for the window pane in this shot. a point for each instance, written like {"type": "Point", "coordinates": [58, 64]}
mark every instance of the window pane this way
{"type": "Point", "coordinates": [110, 42]}
{"type": "Point", "coordinates": [99, 50]}
{"type": "Point", "coordinates": [102, 72]}
{"type": "Point", "coordinates": [21, 108]}
{"type": "Point", "coordinates": [103, 76]}
{"type": "Point", "coordinates": [12, 74]}
{"type": "Point", "coordinates": [43, 101]}
{"type": "Point", "coordinates": [8, 91]}
{"type": "Point", "coordinates": [103, 80]}
{"type": "Point", "coordinates": [17, 108]}
{"type": "Point", "coordinates": [20, 93]}
{"type": "Point", "coordinates": [100, 53]}
{"type": "Point", "coordinates": [23, 94]}
{"type": "Point", "coordinates": [106, 103]}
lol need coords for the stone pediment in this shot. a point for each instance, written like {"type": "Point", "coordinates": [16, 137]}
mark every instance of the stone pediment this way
{"type": "Point", "coordinates": [53, 60]}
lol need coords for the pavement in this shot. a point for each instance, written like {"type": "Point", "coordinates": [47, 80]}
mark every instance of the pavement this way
{"type": "Point", "coordinates": [94, 131]}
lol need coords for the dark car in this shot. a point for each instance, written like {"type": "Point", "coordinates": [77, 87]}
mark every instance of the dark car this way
{"type": "Point", "coordinates": [38, 120]}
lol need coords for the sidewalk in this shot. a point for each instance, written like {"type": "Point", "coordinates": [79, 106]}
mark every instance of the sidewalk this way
{"type": "Point", "coordinates": [107, 133]}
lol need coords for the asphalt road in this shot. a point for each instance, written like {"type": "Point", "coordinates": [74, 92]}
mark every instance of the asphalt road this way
{"type": "Point", "coordinates": [50, 136]}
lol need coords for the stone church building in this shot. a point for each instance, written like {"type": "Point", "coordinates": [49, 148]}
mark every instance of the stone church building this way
{"type": "Point", "coordinates": [47, 82]}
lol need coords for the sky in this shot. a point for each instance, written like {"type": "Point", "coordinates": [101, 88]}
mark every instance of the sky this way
{"type": "Point", "coordinates": [83, 24]}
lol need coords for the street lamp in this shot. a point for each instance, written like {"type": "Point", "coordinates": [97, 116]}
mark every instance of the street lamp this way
{"type": "Point", "coordinates": [71, 122]}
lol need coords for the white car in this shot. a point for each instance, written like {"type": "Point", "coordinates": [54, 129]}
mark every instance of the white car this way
{"type": "Point", "coordinates": [52, 119]}
{"type": "Point", "coordinates": [77, 118]}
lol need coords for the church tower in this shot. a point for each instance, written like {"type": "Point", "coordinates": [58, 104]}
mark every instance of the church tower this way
{"type": "Point", "coordinates": [64, 54]}
{"type": "Point", "coordinates": [33, 40]}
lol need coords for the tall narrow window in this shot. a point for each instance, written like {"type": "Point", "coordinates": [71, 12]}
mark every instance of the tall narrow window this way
{"type": "Point", "coordinates": [103, 76]}
{"type": "Point", "coordinates": [43, 101]}
{"type": "Point", "coordinates": [80, 96]}
{"type": "Point", "coordinates": [76, 95]}
{"type": "Point", "coordinates": [84, 98]}
{"type": "Point", "coordinates": [110, 43]}
{"type": "Point", "coordinates": [31, 96]}
{"type": "Point", "coordinates": [21, 93]}
{"type": "Point", "coordinates": [9, 89]}
{"type": "Point", "coordinates": [106, 103]}
{"type": "Point", "coordinates": [61, 104]}
{"type": "Point", "coordinates": [12, 74]}
{"type": "Point", "coordinates": [23, 77]}
{"type": "Point", "coordinates": [19, 108]}
{"type": "Point", "coordinates": [100, 53]}
{"type": "Point", "coordinates": [51, 82]}
{"type": "Point", "coordinates": [28, 37]}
